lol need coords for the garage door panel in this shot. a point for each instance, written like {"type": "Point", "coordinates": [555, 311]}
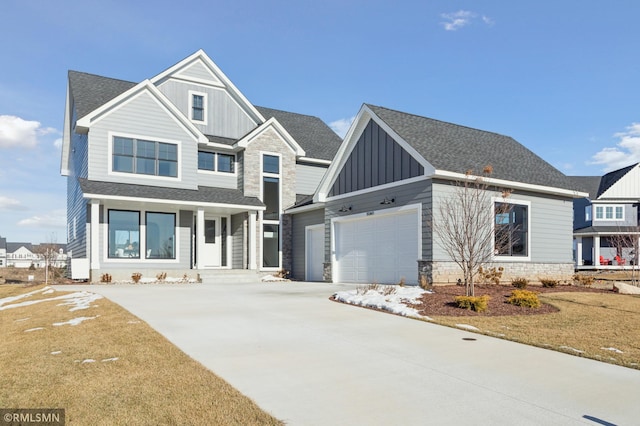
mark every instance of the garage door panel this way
{"type": "Point", "coordinates": [378, 248]}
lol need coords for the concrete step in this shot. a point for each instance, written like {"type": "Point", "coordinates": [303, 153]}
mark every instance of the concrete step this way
{"type": "Point", "coordinates": [227, 276]}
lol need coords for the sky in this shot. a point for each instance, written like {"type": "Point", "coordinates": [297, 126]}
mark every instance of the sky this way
{"type": "Point", "coordinates": [558, 76]}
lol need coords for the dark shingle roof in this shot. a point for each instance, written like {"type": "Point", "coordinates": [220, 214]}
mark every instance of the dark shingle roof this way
{"type": "Point", "coordinates": [589, 184]}
{"type": "Point", "coordinates": [204, 194]}
{"type": "Point", "coordinates": [91, 91]}
{"type": "Point", "coordinates": [221, 140]}
{"type": "Point", "coordinates": [456, 148]}
{"type": "Point", "coordinates": [606, 229]}
{"type": "Point", "coordinates": [13, 247]}
{"type": "Point", "coordinates": [311, 133]}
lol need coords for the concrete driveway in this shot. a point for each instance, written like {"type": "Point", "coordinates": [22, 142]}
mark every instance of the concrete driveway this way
{"type": "Point", "coordinates": [310, 361]}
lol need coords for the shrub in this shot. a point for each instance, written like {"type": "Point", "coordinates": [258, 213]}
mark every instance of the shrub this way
{"type": "Point", "coordinates": [424, 283]}
{"type": "Point", "coordinates": [161, 276]}
{"type": "Point", "coordinates": [491, 275]}
{"type": "Point", "coordinates": [136, 277]}
{"type": "Point", "coordinates": [585, 280]}
{"type": "Point", "coordinates": [105, 278]}
{"type": "Point", "coordinates": [548, 282]}
{"type": "Point", "coordinates": [524, 298]}
{"type": "Point", "coordinates": [519, 282]}
{"type": "Point", "coordinates": [475, 303]}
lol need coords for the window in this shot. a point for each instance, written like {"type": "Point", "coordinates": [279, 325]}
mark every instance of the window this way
{"type": "Point", "coordinates": [610, 212]}
{"type": "Point", "coordinates": [197, 107]}
{"type": "Point", "coordinates": [160, 241]}
{"type": "Point", "coordinates": [144, 157]}
{"type": "Point", "coordinates": [271, 215]}
{"type": "Point", "coordinates": [216, 162]}
{"type": "Point", "coordinates": [124, 234]}
{"type": "Point", "coordinates": [511, 230]}
{"type": "Point", "coordinates": [587, 213]}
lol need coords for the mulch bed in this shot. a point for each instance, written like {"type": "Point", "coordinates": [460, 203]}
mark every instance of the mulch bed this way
{"type": "Point", "coordinates": [441, 302]}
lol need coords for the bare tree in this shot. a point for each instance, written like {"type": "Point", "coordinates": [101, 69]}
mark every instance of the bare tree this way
{"type": "Point", "coordinates": [626, 244]}
{"type": "Point", "coordinates": [48, 252]}
{"type": "Point", "coordinates": [464, 225]}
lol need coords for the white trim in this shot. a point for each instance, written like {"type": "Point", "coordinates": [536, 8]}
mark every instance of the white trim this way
{"type": "Point", "coordinates": [377, 213]}
{"type": "Point", "coordinates": [443, 174]}
{"type": "Point", "coordinates": [313, 161]}
{"type": "Point", "coordinates": [172, 202]}
{"type": "Point", "coordinates": [604, 206]}
{"type": "Point", "coordinates": [205, 107]}
{"type": "Point", "coordinates": [378, 188]}
{"type": "Point", "coordinates": [305, 208]}
{"type": "Point", "coordinates": [111, 172]}
{"type": "Point", "coordinates": [217, 72]}
{"type": "Point", "coordinates": [289, 141]}
{"type": "Point", "coordinates": [308, 229]}
{"type": "Point", "coordinates": [264, 221]}
{"type": "Point", "coordinates": [498, 258]}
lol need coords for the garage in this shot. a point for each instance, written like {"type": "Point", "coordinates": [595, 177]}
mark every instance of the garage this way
{"type": "Point", "coordinates": [377, 247]}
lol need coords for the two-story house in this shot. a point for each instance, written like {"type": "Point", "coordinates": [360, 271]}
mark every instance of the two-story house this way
{"type": "Point", "coordinates": [181, 172]}
{"type": "Point", "coordinates": [606, 224]}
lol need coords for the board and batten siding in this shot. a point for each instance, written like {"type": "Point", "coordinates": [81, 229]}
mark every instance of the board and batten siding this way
{"type": "Point", "coordinates": [308, 178]}
{"type": "Point", "coordinates": [225, 117]}
{"type": "Point", "coordinates": [551, 225]}
{"type": "Point", "coordinates": [411, 193]}
{"type": "Point", "coordinates": [299, 223]}
{"type": "Point", "coordinates": [142, 117]}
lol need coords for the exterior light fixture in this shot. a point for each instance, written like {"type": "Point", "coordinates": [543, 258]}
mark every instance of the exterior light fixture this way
{"type": "Point", "coordinates": [388, 201]}
{"type": "Point", "coordinates": [344, 209]}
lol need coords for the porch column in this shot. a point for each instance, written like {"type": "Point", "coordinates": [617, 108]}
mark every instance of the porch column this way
{"type": "Point", "coordinates": [596, 250]}
{"type": "Point", "coordinates": [252, 240]}
{"type": "Point", "coordinates": [95, 234]}
{"type": "Point", "coordinates": [579, 259]}
{"type": "Point", "coordinates": [200, 238]}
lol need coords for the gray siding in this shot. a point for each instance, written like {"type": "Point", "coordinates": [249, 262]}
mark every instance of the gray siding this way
{"type": "Point", "coordinates": [551, 226]}
{"type": "Point", "coordinates": [199, 71]}
{"type": "Point", "coordinates": [185, 222]}
{"type": "Point", "coordinates": [219, 180]}
{"type": "Point", "coordinates": [412, 193]}
{"type": "Point", "coordinates": [142, 117]}
{"type": "Point", "coordinates": [299, 222]}
{"type": "Point", "coordinates": [376, 159]}
{"type": "Point", "coordinates": [308, 177]}
{"type": "Point", "coordinates": [238, 256]}
{"type": "Point", "coordinates": [224, 116]}
{"type": "Point", "coordinates": [578, 213]}
{"type": "Point", "coordinates": [630, 216]}
{"type": "Point", "coordinates": [76, 204]}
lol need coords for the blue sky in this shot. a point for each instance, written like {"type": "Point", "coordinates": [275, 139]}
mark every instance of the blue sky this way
{"type": "Point", "coordinates": [561, 77]}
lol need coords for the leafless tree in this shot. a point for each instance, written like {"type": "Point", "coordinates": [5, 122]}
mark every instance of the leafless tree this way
{"type": "Point", "coordinates": [48, 252]}
{"type": "Point", "coordinates": [465, 224]}
{"type": "Point", "coordinates": [626, 244]}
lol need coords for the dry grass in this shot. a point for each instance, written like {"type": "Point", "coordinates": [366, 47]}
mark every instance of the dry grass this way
{"type": "Point", "coordinates": [150, 382]}
{"type": "Point", "coordinates": [588, 324]}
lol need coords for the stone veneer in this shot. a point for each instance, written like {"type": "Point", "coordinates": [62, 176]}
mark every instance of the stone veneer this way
{"type": "Point", "coordinates": [269, 141]}
{"type": "Point", "coordinates": [449, 272]}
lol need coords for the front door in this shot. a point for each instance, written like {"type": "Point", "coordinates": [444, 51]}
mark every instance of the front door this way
{"type": "Point", "coordinates": [212, 241]}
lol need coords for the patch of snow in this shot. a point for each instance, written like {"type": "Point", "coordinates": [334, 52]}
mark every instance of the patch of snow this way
{"type": "Point", "coordinates": [86, 361]}
{"type": "Point", "coordinates": [48, 291]}
{"type": "Point", "coordinates": [34, 329]}
{"type": "Point", "coordinates": [394, 302]}
{"type": "Point", "coordinates": [77, 300]}
{"type": "Point", "coordinates": [272, 279]}
{"type": "Point", "coordinates": [569, 348]}
{"type": "Point", "coordinates": [56, 352]}
{"type": "Point", "coordinates": [618, 351]}
{"type": "Point", "coordinates": [467, 327]}
{"type": "Point", "coordinates": [74, 321]}
{"type": "Point", "coordinates": [12, 299]}
{"type": "Point", "coordinates": [22, 319]}
{"type": "Point", "coordinates": [147, 280]}
{"type": "Point", "coordinates": [110, 359]}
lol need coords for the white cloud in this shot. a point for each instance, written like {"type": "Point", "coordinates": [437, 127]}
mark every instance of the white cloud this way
{"type": "Point", "coordinates": [625, 153]}
{"type": "Point", "coordinates": [456, 20]}
{"type": "Point", "coordinates": [341, 126]}
{"type": "Point", "coordinates": [16, 132]}
{"type": "Point", "coordinates": [53, 219]}
{"type": "Point", "coordinates": [7, 203]}
{"type": "Point", "coordinates": [58, 143]}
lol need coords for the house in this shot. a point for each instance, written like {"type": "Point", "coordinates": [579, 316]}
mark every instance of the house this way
{"type": "Point", "coordinates": [180, 173]}
{"type": "Point", "coordinates": [24, 255]}
{"type": "Point", "coordinates": [607, 222]}
{"type": "Point", "coordinates": [3, 252]}
{"type": "Point", "coordinates": [369, 219]}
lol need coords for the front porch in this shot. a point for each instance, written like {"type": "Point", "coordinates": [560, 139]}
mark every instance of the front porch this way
{"type": "Point", "coordinates": [617, 251]}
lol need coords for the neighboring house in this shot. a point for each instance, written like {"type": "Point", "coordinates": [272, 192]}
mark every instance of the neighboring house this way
{"type": "Point", "coordinates": [368, 220]}
{"type": "Point", "coordinates": [606, 223]}
{"type": "Point", "coordinates": [181, 172]}
{"type": "Point", "coordinates": [23, 255]}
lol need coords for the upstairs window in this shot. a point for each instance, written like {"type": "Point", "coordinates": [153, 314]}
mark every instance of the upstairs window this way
{"type": "Point", "coordinates": [216, 162]}
{"type": "Point", "coordinates": [610, 212]}
{"type": "Point", "coordinates": [587, 213]}
{"type": "Point", "coordinates": [197, 106]}
{"type": "Point", "coordinates": [131, 155]}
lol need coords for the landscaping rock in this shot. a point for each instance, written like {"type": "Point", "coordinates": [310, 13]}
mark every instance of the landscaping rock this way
{"type": "Point", "coordinates": [624, 288]}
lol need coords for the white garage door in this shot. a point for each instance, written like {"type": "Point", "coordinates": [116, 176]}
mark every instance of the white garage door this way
{"type": "Point", "coordinates": [379, 248]}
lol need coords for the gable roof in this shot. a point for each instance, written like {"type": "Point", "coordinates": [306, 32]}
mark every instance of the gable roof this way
{"type": "Point", "coordinates": [13, 247]}
{"type": "Point", "coordinates": [315, 137]}
{"type": "Point", "coordinates": [588, 184]}
{"type": "Point", "coordinates": [91, 91]}
{"type": "Point", "coordinates": [613, 177]}
{"type": "Point", "coordinates": [455, 148]}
